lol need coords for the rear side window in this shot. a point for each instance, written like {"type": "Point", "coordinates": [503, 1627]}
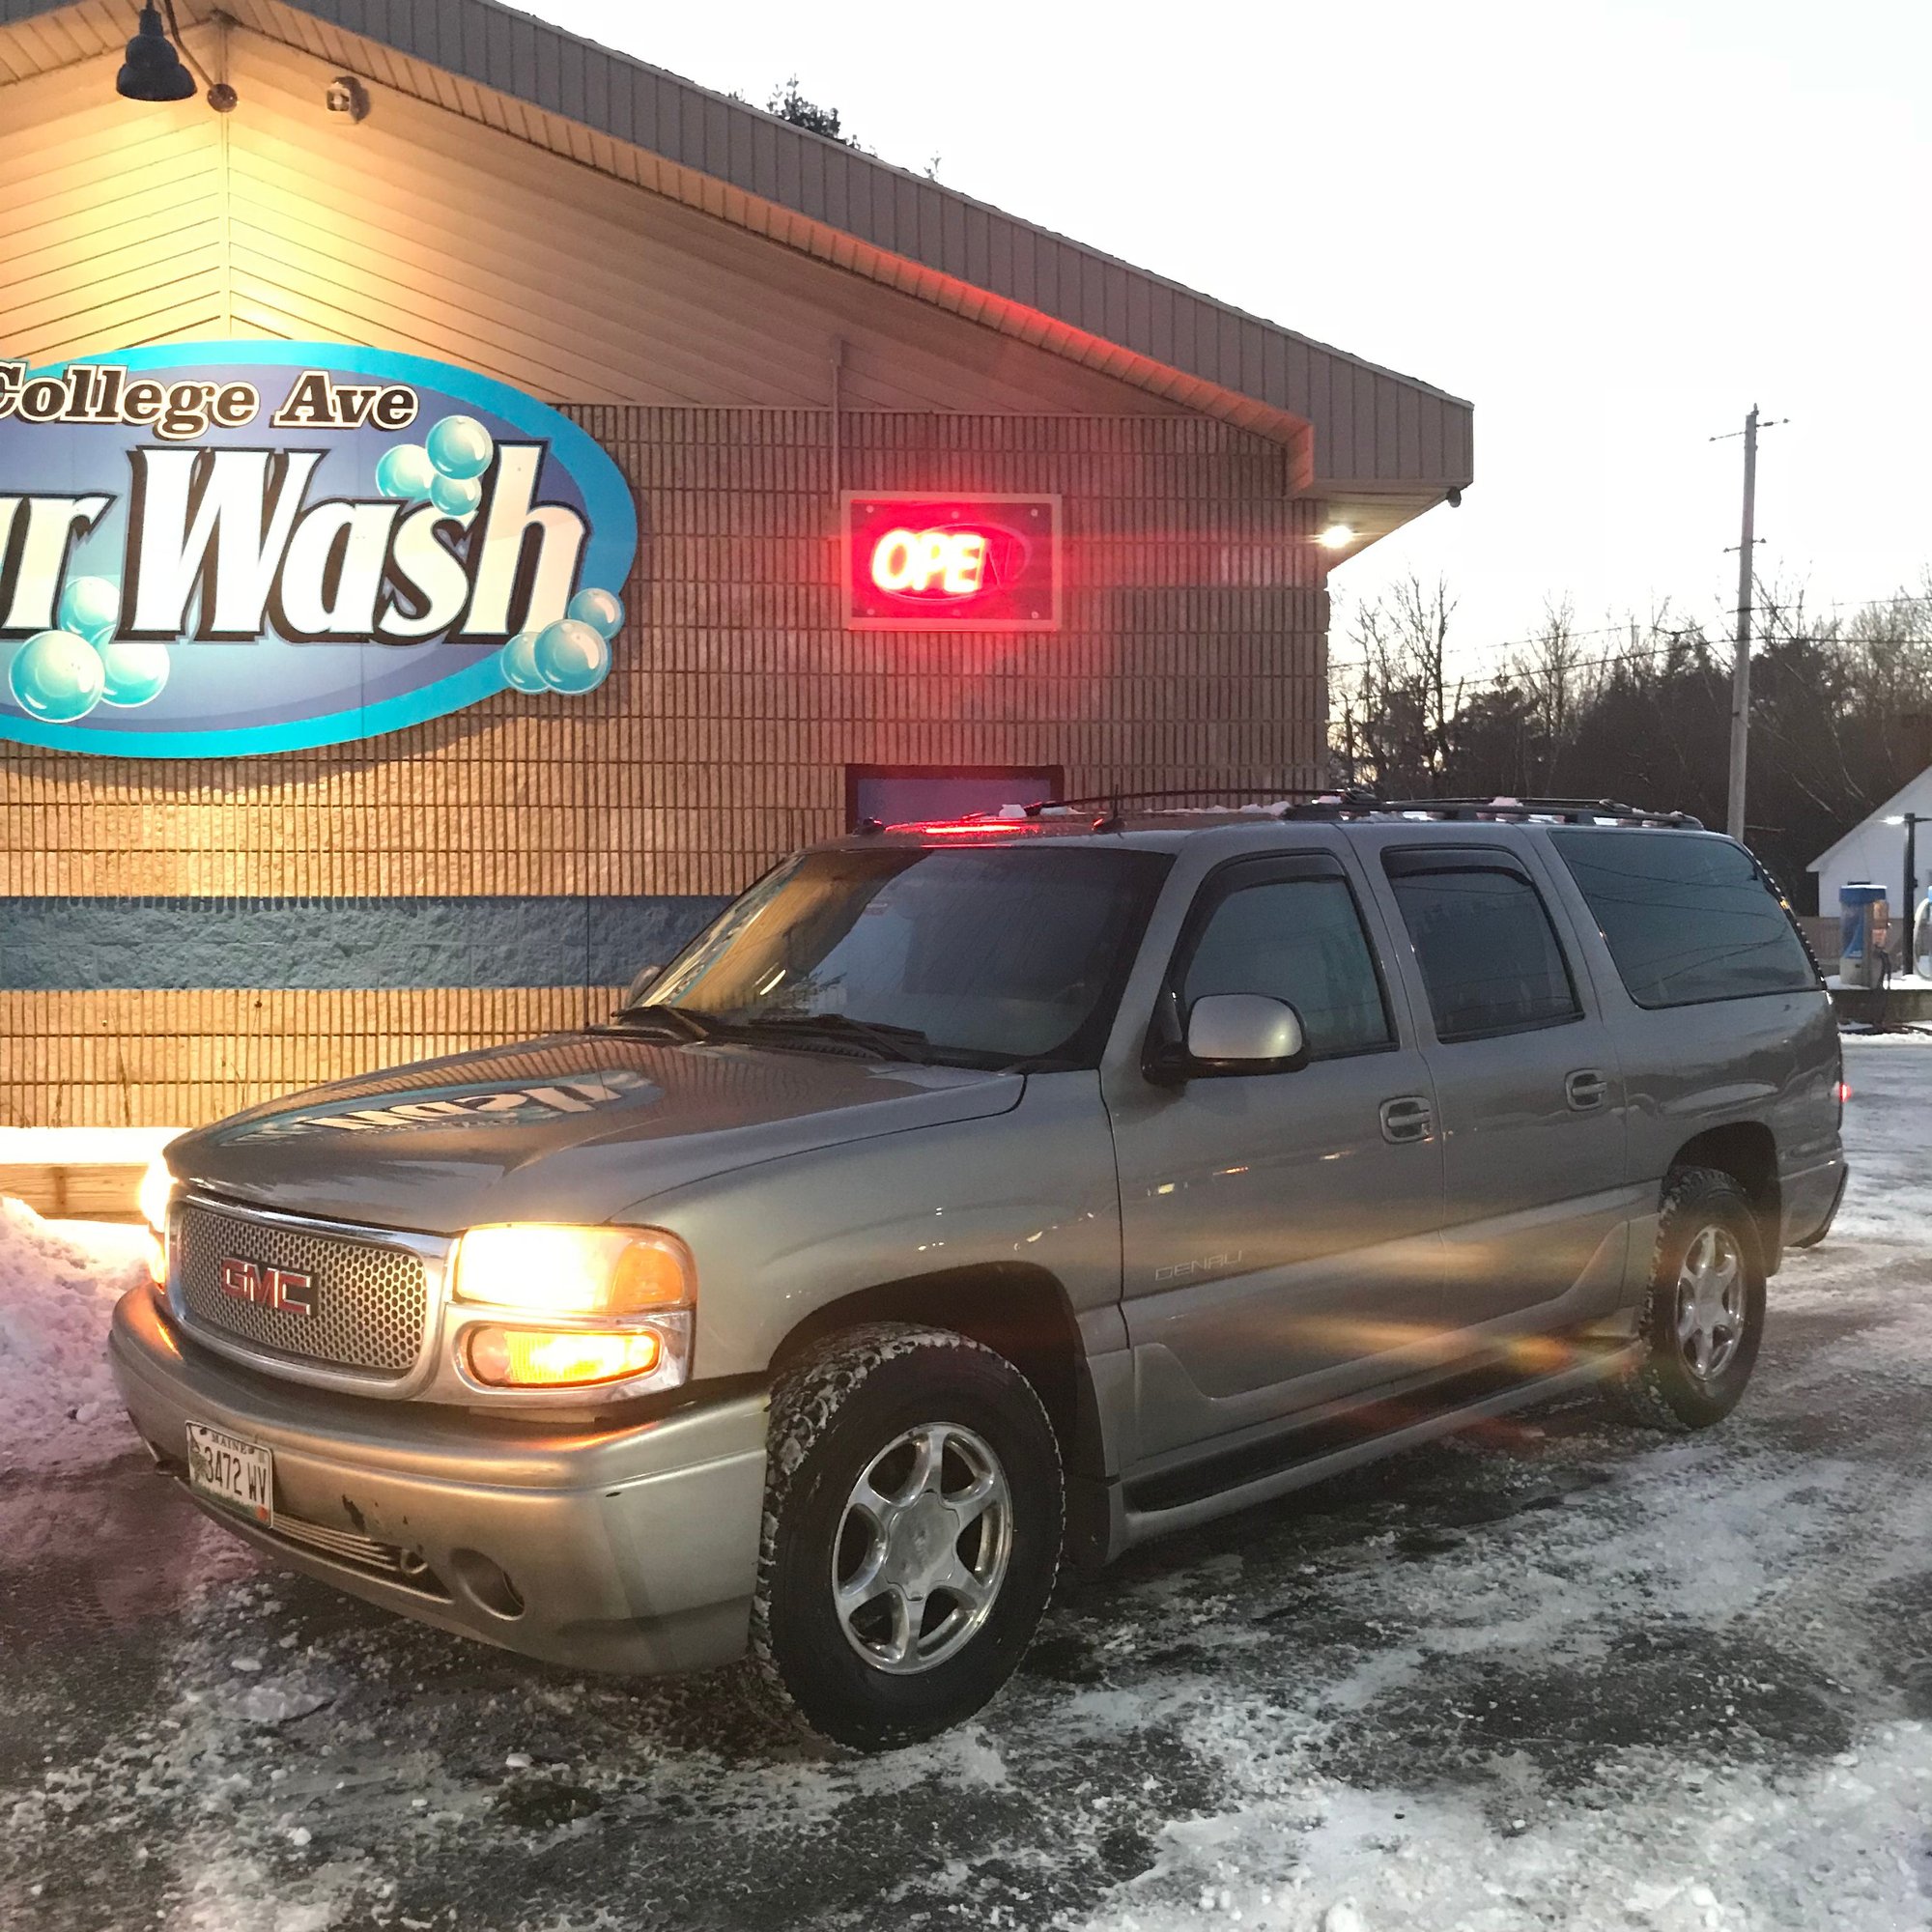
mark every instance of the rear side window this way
{"type": "Point", "coordinates": [1488, 955]}
{"type": "Point", "coordinates": [1686, 919]}
{"type": "Point", "coordinates": [1298, 940]}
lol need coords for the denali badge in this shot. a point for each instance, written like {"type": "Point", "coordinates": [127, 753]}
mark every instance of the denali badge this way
{"type": "Point", "coordinates": [267, 1287]}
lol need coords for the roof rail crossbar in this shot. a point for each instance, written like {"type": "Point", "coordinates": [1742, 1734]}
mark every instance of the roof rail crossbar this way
{"type": "Point", "coordinates": [1573, 811]}
{"type": "Point", "coordinates": [1306, 800]}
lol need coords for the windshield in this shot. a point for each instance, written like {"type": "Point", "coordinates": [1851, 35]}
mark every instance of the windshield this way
{"type": "Point", "coordinates": [988, 956]}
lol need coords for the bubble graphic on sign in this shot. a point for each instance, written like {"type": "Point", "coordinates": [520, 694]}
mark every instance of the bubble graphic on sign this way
{"type": "Point", "coordinates": [57, 676]}
{"type": "Point", "coordinates": [132, 673]}
{"type": "Point", "coordinates": [571, 655]}
{"type": "Point", "coordinates": [406, 471]}
{"type": "Point", "coordinates": [455, 496]}
{"type": "Point", "coordinates": [520, 663]}
{"type": "Point", "coordinates": [90, 606]}
{"type": "Point", "coordinates": [461, 447]}
{"type": "Point", "coordinates": [599, 609]}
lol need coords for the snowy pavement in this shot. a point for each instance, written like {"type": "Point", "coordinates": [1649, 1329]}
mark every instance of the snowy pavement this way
{"type": "Point", "coordinates": [1559, 1672]}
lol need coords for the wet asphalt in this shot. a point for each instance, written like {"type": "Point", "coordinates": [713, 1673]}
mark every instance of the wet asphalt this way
{"type": "Point", "coordinates": [1527, 1617]}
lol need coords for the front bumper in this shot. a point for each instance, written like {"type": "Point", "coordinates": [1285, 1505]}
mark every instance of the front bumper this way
{"type": "Point", "coordinates": [602, 1546]}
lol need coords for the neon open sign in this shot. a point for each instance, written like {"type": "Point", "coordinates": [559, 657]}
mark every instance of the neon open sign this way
{"type": "Point", "coordinates": [953, 563]}
{"type": "Point", "coordinates": [931, 564]}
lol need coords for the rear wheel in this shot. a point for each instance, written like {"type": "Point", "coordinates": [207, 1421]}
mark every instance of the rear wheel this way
{"type": "Point", "coordinates": [912, 1528]}
{"type": "Point", "coordinates": [1704, 1317]}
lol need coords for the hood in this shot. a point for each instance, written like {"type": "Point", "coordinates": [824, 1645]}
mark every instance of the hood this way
{"type": "Point", "coordinates": [578, 1127]}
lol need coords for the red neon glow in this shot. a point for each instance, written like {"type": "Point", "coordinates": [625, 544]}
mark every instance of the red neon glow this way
{"type": "Point", "coordinates": [972, 828]}
{"type": "Point", "coordinates": [929, 562]}
{"type": "Point", "coordinates": [952, 828]}
{"type": "Point", "coordinates": [953, 563]}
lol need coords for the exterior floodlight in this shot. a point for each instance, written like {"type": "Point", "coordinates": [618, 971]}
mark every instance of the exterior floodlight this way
{"type": "Point", "coordinates": [152, 70]}
{"type": "Point", "coordinates": [1897, 818]}
{"type": "Point", "coordinates": [1337, 537]}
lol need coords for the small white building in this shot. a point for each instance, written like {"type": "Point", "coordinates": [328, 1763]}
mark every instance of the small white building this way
{"type": "Point", "coordinates": [1875, 851]}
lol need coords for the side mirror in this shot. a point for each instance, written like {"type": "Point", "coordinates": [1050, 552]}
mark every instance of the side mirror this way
{"type": "Point", "coordinates": [640, 983]}
{"type": "Point", "coordinates": [1244, 1032]}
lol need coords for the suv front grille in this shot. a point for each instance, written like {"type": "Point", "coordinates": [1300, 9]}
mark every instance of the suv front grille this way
{"type": "Point", "coordinates": [369, 1302]}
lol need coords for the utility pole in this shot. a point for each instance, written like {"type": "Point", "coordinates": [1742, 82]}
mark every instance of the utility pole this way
{"type": "Point", "coordinates": [1734, 812]}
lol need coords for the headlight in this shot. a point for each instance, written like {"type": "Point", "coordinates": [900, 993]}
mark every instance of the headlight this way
{"type": "Point", "coordinates": [598, 1305]}
{"type": "Point", "coordinates": [156, 1196]}
{"type": "Point", "coordinates": [158, 1190]}
{"type": "Point", "coordinates": [572, 1270]}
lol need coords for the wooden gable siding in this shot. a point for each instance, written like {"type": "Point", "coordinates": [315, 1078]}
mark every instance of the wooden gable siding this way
{"type": "Point", "coordinates": [420, 230]}
{"type": "Point", "coordinates": [111, 231]}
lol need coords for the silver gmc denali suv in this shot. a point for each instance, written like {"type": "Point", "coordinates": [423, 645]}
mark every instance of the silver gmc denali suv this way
{"type": "Point", "coordinates": [972, 1192]}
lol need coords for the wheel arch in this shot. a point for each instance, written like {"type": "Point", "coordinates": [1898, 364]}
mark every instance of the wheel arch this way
{"type": "Point", "coordinates": [1018, 1310]}
{"type": "Point", "coordinates": [1747, 1151]}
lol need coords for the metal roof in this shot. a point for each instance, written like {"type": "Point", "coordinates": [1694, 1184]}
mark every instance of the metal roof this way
{"type": "Point", "coordinates": [1359, 431]}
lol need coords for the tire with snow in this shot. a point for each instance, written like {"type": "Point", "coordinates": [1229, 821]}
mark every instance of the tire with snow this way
{"type": "Point", "coordinates": [914, 1505]}
{"type": "Point", "coordinates": [1704, 1314]}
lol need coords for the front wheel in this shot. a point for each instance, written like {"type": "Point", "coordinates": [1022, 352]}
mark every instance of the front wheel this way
{"type": "Point", "coordinates": [914, 1505]}
{"type": "Point", "coordinates": [1705, 1314]}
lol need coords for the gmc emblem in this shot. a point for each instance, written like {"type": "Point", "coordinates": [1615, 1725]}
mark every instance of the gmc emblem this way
{"type": "Point", "coordinates": [285, 1288]}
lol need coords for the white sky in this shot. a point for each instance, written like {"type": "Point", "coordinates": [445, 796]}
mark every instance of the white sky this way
{"type": "Point", "coordinates": [1612, 224]}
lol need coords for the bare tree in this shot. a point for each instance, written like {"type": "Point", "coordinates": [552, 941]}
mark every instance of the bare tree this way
{"type": "Point", "coordinates": [1557, 679]}
{"type": "Point", "coordinates": [1399, 702]}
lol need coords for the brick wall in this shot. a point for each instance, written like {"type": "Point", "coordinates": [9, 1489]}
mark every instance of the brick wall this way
{"type": "Point", "coordinates": [1191, 652]}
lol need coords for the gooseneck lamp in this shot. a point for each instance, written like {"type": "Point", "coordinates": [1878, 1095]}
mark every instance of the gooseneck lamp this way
{"type": "Point", "coordinates": [154, 69]}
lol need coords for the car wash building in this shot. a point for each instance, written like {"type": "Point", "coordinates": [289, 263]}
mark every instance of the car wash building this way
{"type": "Point", "coordinates": [471, 501]}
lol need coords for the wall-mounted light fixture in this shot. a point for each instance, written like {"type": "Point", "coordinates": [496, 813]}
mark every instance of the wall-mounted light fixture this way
{"type": "Point", "coordinates": [158, 63]}
{"type": "Point", "coordinates": [152, 70]}
{"type": "Point", "coordinates": [1337, 537]}
{"type": "Point", "coordinates": [348, 96]}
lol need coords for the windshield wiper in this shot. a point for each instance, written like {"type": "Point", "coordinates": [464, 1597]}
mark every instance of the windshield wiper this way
{"type": "Point", "coordinates": [892, 1043]}
{"type": "Point", "coordinates": [679, 1022]}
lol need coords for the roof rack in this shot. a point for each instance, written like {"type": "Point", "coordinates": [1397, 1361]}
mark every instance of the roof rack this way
{"type": "Point", "coordinates": [1334, 802]}
{"type": "Point", "coordinates": [1570, 811]}
{"type": "Point", "coordinates": [1292, 801]}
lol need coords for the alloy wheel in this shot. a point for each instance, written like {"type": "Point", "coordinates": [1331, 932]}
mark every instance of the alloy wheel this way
{"type": "Point", "coordinates": [1712, 1298]}
{"type": "Point", "coordinates": [922, 1548]}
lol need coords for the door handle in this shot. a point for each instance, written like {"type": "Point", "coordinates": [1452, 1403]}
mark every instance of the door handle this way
{"type": "Point", "coordinates": [1407, 1120]}
{"type": "Point", "coordinates": [1586, 1089]}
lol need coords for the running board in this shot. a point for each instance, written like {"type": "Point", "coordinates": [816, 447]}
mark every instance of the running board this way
{"type": "Point", "coordinates": [1199, 1492]}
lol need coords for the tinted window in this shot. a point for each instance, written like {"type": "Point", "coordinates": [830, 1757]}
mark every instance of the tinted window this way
{"type": "Point", "coordinates": [1489, 955]}
{"type": "Point", "coordinates": [992, 954]}
{"type": "Point", "coordinates": [1685, 918]}
{"type": "Point", "coordinates": [1298, 940]}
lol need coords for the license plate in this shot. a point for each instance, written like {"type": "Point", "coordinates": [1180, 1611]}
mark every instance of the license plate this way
{"type": "Point", "coordinates": [241, 1475]}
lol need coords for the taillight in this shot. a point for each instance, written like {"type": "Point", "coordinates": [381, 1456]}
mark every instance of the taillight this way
{"type": "Point", "coordinates": [1842, 1092]}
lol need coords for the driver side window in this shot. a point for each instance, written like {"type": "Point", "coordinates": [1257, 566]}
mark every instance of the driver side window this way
{"type": "Point", "coordinates": [1298, 940]}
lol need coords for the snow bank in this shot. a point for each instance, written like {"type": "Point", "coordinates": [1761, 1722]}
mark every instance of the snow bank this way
{"type": "Point", "coordinates": [57, 1401]}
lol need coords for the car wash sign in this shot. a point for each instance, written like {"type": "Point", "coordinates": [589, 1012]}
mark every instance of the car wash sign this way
{"type": "Point", "coordinates": [232, 548]}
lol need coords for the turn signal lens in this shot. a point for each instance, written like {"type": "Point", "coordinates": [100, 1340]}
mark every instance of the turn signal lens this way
{"type": "Point", "coordinates": [538, 1358]}
{"type": "Point", "coordinates": [572, 1270]}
